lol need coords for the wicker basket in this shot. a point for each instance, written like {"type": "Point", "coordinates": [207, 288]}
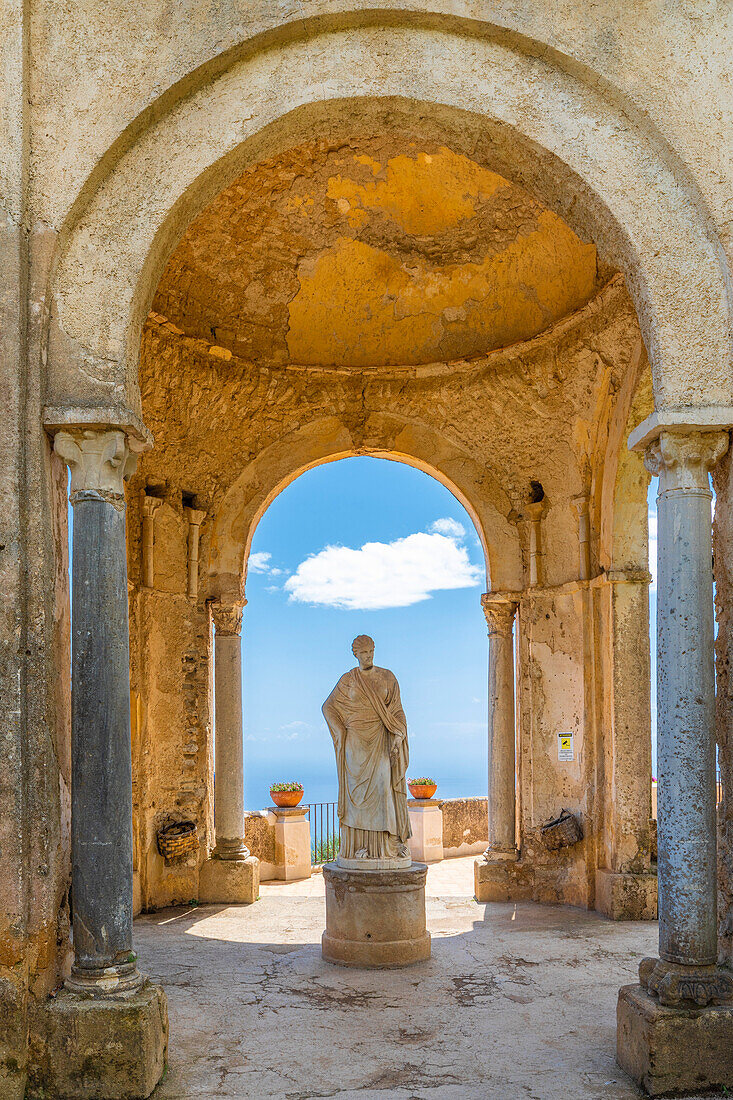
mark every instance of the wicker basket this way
{"type": "Point", "coordinates": [562, 832]}
{"type": "Point", "coordinates": [178, 839]}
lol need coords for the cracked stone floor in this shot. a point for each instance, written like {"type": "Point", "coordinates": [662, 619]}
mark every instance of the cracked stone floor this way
{"type": "Point", "coordinates": [516, 1001]}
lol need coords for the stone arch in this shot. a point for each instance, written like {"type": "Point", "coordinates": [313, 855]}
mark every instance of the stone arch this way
{"type": "Point", "coordinates": [327, 440]}
{"type": "Point", "coordinates": [606, 172]}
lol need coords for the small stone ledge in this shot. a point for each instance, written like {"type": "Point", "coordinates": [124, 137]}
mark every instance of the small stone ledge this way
{"type": "Point", "coordinates": [626, 896]}
{"type": "Point", "coordinates": [673, 1051]}
{"type": "Point", "coordinates": [86, 1048]}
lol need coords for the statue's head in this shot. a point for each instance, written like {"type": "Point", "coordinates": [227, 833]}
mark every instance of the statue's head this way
{"type": "Point", "coordinates": [363, 649]}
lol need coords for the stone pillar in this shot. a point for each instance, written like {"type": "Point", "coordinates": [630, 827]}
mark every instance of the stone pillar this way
{"type": "Point", "coordinates": [581, 506]}
{"type": "Point", "coordinates": [498, 876]}
{"type": "Point", "coordinates": [426, 821]}
{"type": "Point", "coordinates": [195, 518]}
{"type": "Point", "coordinates": [534, 540]}
{"type": "Point", "coordinates": [292, 843]}
{"type": "Point", "coordinates": [149, 506]}
{"type": "Point", "coordinates": [657, 1041]}
{"type": "Point", "coordinates": [500, 612]}
{"type": "Point", "coordinates": [229, 777]}
{"type": "Point", "coordinates": [101, 788]}
{"type": "Point", "coordinates": [686, 699]}
{"type": "Point", "coordinates": [232, 874]}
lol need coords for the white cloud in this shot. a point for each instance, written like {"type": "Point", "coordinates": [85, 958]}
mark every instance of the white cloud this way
{"type": "Point", "coordinates": [260, 562]}
{"type": "Point", "coordinates": [384, 574]}
{"type": "Point", "coordinates": [450, 527]}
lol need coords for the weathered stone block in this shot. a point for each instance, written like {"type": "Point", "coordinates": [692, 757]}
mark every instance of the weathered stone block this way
{"type": "Point", "coordinates": [230, 881]}
{"type": "Point", "coordinates": [503, 880]}
{"type": "Point", "coordinates": [375, 918]}
{"type": "Point", "coordinates": [626, 896]}
{"type": "Point", "coordinates": [672, 1051]}
{"type": "Point", "coordinates": [86, 1048]}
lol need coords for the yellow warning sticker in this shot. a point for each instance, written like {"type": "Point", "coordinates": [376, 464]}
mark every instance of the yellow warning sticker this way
{"type": "Point", "coordinates": [565, 749]}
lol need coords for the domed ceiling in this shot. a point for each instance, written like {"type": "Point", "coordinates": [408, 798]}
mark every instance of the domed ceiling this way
{"type": "Point", "coordinates": [369, 255]}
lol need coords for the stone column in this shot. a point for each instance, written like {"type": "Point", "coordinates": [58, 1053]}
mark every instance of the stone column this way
{"type": "Point", "coordinates": [101, 788]}
{"type": "Point", "coordinates": [500, 612]}
{"type": "Point", "coordinates": [231, 875]}
{"type": "Point", "coordinates": [229, 778]}
{"type": "Point", "coordinates": [195, 518]}
{"type": "Point", "coordinates": [534, 542]}
{"type": "Point", "coordinates": [149, 506]}
{"type": "Point", "coordinates": [581, 507]}
{"type": "Point", "coordinates": [686, 968]}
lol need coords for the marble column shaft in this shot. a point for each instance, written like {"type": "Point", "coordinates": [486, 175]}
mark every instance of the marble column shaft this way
{"type": "Point", "coordinates": [686, 696]}
{"type": "Point", "coordinates": [229, 767]}
{"type": "Point", "coordinates": [500, 614]}
{"type": "Point", "coordinates": [101, 785]}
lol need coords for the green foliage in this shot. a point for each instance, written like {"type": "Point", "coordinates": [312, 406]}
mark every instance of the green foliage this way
{"type": "Point", "coordinates": [286, 786]}
{"type": "Point", "coordinates": [326, 850]}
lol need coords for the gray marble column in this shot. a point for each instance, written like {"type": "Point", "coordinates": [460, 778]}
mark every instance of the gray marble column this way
{"type": "Point", "coordinates": [500, 612]}
{"type": "Point", "coordinates": [229, 764]}
{"type": "Point", "coordinates": [101, 783]}
{"type": "Point", "coordinates": [686, 969]}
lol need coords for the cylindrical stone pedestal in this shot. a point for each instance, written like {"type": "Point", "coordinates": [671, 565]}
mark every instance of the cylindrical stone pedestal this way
{"type": "Point", "coordinates": [375, 918]}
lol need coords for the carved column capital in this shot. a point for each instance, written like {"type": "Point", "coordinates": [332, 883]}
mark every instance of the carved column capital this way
{"type": "Point", "coordinates": [581, 504]}
{"type": "Point", "coordinates": [195, 516]}
{"type": "Point", "coordinates": [100, 461]}
{"type": "Point", "coordinates": [228, 617]}
{"type": "Point", "coordinates": [682, 460]}
{"type": "Point", "coordinates": [499, 612]}
{"type": "Point", "coordinates": [149, 505]}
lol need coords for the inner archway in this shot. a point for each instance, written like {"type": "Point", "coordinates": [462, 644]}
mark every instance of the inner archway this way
{"type": "Point", "coordinates": [364, 546]}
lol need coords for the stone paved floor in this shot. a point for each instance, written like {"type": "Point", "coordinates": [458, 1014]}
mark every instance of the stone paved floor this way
{"type": "Point", "coordinates": [517, 1001]}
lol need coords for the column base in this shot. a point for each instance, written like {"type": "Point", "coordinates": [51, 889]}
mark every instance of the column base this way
{"type": "Point", "coordinates": [375, 918]}
{"type": "Point", "coordinates": [229, 881]}
{"type": "Point", "coordinates": [230, 849]}
{"type": "Point", "coordinates": [625, 896]}
{"type": "Point", "coordinates": [501, 879]}
{"type": "Point", "coordinates": [97, 1049]}
{"type": "Point", "coordinates": [673, 1050]}
{"type": "Point", "coordinates": [109, 981]}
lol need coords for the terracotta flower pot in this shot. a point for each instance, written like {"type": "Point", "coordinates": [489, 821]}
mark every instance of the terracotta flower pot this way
{"type": "Point", "coordinates": [286, 798]}
{"type": "Point", "coordinates": [423, 790]}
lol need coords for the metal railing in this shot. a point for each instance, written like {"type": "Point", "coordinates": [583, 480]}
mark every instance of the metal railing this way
{"type": "Point", "coordinates": [324, 827]}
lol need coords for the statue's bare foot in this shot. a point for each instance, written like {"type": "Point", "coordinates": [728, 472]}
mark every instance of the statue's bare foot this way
{"type": "Point", "coordinates": [403, 851]}
{"type": "Point", "coordinates": [363, 853]}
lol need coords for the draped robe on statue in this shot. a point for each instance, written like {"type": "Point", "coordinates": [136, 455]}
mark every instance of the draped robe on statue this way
{"type": "Point", "coordinates": [365, 716]}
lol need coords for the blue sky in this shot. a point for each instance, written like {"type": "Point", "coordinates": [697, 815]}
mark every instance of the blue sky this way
{"type": "Point", "coordinates": [364, 546]}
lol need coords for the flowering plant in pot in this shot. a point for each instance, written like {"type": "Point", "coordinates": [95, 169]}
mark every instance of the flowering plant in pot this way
{"type": "Point", "coordinates": [422, 787]}
{"type": "Point", "coordinates": [286, 794]}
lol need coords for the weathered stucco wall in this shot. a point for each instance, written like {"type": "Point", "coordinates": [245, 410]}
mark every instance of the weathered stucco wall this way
{"type": "Point", "coordinates": [465, 825]}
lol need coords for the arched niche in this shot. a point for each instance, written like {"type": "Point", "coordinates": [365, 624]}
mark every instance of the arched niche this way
{"type": "Point", "coordinates": [555, 133]}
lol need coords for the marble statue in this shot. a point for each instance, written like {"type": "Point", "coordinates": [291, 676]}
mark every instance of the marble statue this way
{"type": "Point", "coordinates": [369, 730]}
